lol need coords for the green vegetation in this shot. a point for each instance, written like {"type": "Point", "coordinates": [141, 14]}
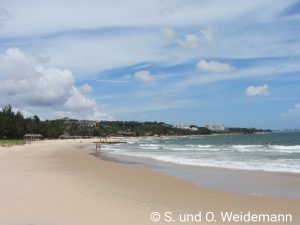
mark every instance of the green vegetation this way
{"type": "Point", "coordinates": [133, 128]}
{"type": "Point", "coordinates": [13, 125]}
{"type": "Point", "coordinates": [246, 130]}
{"type": "Point", "coordinates": [12, 142]}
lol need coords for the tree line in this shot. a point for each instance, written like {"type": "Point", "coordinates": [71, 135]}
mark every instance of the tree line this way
{"type": "Point", "coordinates": [13, 125]}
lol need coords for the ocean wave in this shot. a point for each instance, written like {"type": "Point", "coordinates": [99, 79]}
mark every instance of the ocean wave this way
{"type": "Point", "coordinates": [176, 148]}
{"type": "Point", "coordinates": [199, 146]}
{"type": "Point", "coordinates": [267, 148]}
{"type": "Point", "coordinates": [268, 157]}
{"type": "Point", "coordinates": [286, 147]}
{"type": "Point", "coordinates": [150, 148]}
{"type": "Point", "coordinates": [149, 145]}
{"type": "Point", "coordinates": [284, 165]}
{"type": "Point", "coordinates": [247, 146]}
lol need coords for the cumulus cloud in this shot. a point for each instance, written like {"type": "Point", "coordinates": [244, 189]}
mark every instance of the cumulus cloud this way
{"type": "Point", "coordinates": [86, 88]}
{"type": "Point", "coordinates": [144, 75]}
{"type": "Point", "coordinates": [190, 41]}
{"type": "Point", "coordinates": [168, 33]}
{"type": "Point", "coordinates": [214, 66]}
{"type": "Point", "coordinates": [26, 85]}
{"type": "Point", "coordinates": [253, 91]}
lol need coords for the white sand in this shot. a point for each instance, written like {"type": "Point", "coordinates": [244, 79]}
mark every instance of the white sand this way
{"type": "Point", "coordinates": [59, 182]}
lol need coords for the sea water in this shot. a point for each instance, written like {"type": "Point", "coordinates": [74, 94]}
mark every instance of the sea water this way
{"type": "Point", "coordinates": [272, 152]}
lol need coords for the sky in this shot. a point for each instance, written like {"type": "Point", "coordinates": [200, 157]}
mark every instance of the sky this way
{"type": "Point", "coordinates": [191, 62]}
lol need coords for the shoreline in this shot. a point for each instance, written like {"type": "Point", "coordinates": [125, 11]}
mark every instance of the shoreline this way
{"type": "Point", "coordinates": [59, 182]}
{"type": "Point", "coordinates": [249, 182]}
{"type": "Point", "coordinates": [190, 165]}
{"type": "Point", "coordinates": [266, 156]}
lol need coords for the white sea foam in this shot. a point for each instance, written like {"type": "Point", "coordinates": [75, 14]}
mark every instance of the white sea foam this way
{"type": "Point", "coordinates": [274, 158]}
{"type": "Point", "coordinates": [199, 146]}
{"type": "Point", "coordinates": [295, 148]}
{"type": "Point", "coordinates": [247, 146]}
{"type": "Point", "coordinates": [281, 166]}
{"type": "Point", "coordinates": [149, 145]}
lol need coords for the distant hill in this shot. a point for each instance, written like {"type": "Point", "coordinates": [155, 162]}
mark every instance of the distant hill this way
{"type": "Point", "coordinates": [13, 125]}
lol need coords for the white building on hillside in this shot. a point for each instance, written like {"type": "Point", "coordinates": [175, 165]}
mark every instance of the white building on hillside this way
{"type": "Point", "coordinates": [215, 127]}
{"type": "Point", "coordinates": [185, 127]}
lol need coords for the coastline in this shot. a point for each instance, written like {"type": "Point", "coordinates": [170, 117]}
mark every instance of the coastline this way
{"type": "Point", "coordinates": [59, 182]}
{"type": "Point", "coordinates": [249, 182]}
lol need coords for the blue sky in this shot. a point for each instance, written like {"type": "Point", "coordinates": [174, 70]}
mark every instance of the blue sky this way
{"type": "Point", "coordinates": [192, 62]}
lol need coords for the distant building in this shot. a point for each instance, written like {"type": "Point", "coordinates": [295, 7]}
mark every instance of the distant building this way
{"type": "Point", "coordinates": [88, 123]}
{"type": "Point", "coordinates": [68, 136]}
{"type": "Point", "coordinates": [65, 136]}
{"type": "Point", "coordinates": [185, 127]}
{"type": "Point", "coordinates": [69, 121]}
{"type": "Point", "coordinates": [215, 127]}
{"type": "Point", "coordinates": [33, 137]}
{"type": "Point", "coordinates": [82, 123]}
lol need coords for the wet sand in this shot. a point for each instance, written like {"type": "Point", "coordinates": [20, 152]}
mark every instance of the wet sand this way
{"type": "Point", "coordinates": [59, 182]}
{"type": "Point", "coordinates": [258, 183]}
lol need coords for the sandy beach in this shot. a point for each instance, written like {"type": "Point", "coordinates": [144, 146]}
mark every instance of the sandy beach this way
{"type": "Point", "coordinates": [61, 183]}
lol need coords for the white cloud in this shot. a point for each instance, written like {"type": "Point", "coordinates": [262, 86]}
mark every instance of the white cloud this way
{"type": "Point", "coordinates": [168, 33]}
{"type": "Point", "coordinates": [253, 91]}
{"type": "Point", "coordinates": [214, 66]}
{"type": "Point", "coordinates": [190, 41]}
{"type": "Point", "coordinates": [26, 85]}
{"type": "Point", "coordinates": [83, 53]}
{"type": "Point", "coordinates": [52, 16]}
{"type": "Point", "coordinates": [86, 88]}
{"type": "Point", "coordinates": [144, 75]}
{"type": "Point", "coordinates": [113, 28]}
{"type": "Point", "coordinates": [77, 101]}
{"type": "Point", "coordinates": [113, 34]}
{"type": "Point", "coordinates": [265, 69]}
{"type": "Point", "coordinates": [23, 112]}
